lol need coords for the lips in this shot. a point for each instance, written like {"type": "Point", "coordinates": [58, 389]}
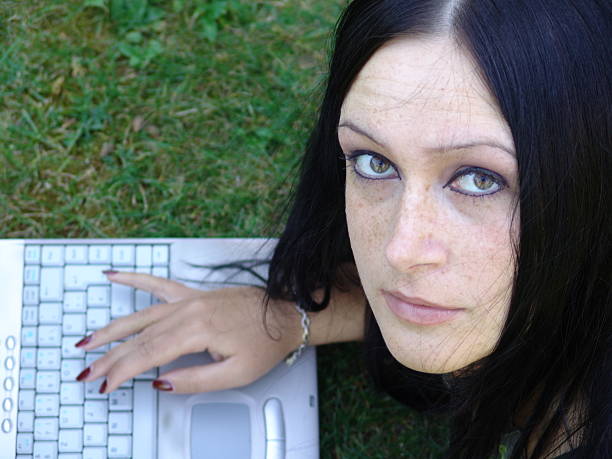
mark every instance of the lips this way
{"type": "Point", "coordinates": [419, 311]}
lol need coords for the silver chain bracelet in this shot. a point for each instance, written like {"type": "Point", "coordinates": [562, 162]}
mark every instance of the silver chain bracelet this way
{"type": "Point", "coordinates": [291, 358]}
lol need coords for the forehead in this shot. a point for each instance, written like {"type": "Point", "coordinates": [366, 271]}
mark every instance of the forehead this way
{"type": "Point", "coordinates": [426, 88]}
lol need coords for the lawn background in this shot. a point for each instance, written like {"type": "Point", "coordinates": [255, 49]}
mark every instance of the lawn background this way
{"type": "Point", "coordinates": [184, 118]}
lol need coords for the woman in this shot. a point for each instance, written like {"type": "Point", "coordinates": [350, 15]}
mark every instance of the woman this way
{"type": "Point", "coordinates": [460, 163]}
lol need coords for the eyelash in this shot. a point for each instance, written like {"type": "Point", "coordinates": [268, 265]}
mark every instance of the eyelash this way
{"type": "Point", "coordinates": [496, 178]}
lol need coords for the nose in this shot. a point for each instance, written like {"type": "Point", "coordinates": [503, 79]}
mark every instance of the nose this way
{"type": "Point", "coordinates": [417, 240]}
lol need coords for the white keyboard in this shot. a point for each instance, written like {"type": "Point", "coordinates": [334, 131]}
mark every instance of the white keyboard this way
{"type": "Point", "coordinates": [65, 298]}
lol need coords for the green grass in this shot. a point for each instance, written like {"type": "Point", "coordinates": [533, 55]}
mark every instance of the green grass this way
{"type": "Point", "coordinates": [178, 118]}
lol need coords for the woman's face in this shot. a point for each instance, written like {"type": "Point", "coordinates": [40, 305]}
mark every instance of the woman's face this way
{"type": "Point", "coordinates": [430, 190]}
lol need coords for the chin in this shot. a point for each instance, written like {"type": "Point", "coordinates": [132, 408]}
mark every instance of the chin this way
{"type": "Point", "coordinates": [433, 358]}
{"type": "Point", "coordinates": [426, 364]}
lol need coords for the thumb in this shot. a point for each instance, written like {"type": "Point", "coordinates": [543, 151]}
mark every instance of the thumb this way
{"type": "Point", "coordinates": [214, 376]}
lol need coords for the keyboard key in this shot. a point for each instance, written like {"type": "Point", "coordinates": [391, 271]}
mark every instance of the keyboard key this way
{"type": "Point", "coordinates": [29, 315]}
{"type": "Point", "coordinates": [94, 453]}
{"type": "Point", "coordinates": [76, 254]}
{"type": "Point", "coordinates": [120, 399]}
{"type": "Point", "coordinates": [69, 456]}
{"type": "Point", "coordinates": [122, 300]}
{"type": "Point", "coordinates": [100, 254]}
{"type": "Point", "coordinates": [32, 254]}
{"type": "Point", "coordinates": [52, 255]}
{"type": "Point", "coordinates": [78, 277]}
{"type": "Point", "coordinates": [72, 393]}
{"type": "Point", "coordinates": [51, 280]}
{"type": "Point", "coordinates": [48, 359]}
{"type": "Point", "coordinates": [75, 302]}
{"type": "Point", "coordinates": [26, 400]}
{"type": "Point", "coordinates": [98, 318]}
{"type": "Point", "coordinates": [95, 434]}
{"type": "Point", "coordinates": [25, 421]}
{"type": "Point", "coordinates": [120, 422]}
{"type": "Point", "coordinates": [47, 405]}
{"type": "Point", "coordinates": [96, 411]}
{"type": "Point", "coordinates": [74, 324]}
{"type": "Point", "coordinates": [68, 349]}
{"type": "Point", "coordinates": [143, 300]}
{"type": "Point", "coordinates": [27, 378]}
{"type": "Point", "coordinates": [47, 382]}
{"type": "Point", "coordinates": [71, 368]}
{"type": "Point", "coordinates": [25, 443]}
{"type": "Point", "coordinates": [45, 449]}
{"type": "Point", "coordinates": [29, 336]}
{"type": "Point", "coordinates": [49, 335]}
{"type": "Point", "coordinates": [50, 313]}
{"type": "Point", "coordinates": [92, 391]}
{"type": "Point", "coordinates": [31, 275]}
{"type": "Point", "coordinates": [70, 441]}
{"type": "Point", "coordinates": [46, 429]}
{"type": "Point", "coordinates": [124, 255]}
{"type": "Point", "coordinates": [28, 357]}
{"type": "Point", "coordinates": [71, 417]}
{"type": "Point", "coordinates": [119, 446]}
{"type": "Point", "coordinates": [31, 295]}
{"type": "Point", "coordinates": [144, 255]}
{"type": "Point", "coordinates": [160, 255]}
{"type": "Point", "coordinates": [145, 419]}
{"type": "Point", "coordinates": [98, 296]}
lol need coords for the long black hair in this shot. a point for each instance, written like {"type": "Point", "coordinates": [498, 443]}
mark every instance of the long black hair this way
{"type": "Point", "coordinates": [547, 63]}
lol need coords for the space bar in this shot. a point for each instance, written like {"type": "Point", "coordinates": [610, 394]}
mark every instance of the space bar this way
{"type": "Point", "coordinates": [145, 421]}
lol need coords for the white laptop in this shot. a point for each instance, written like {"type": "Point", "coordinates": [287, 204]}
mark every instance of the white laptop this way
{"type": "Point", "coordinates": [53, 294]}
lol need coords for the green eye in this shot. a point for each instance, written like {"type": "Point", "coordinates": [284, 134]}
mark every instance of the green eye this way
{"type": "Point", "coordinates": [378, 165]}
{"type": "Point", "coordinates": [475, 181]}
{"type": "Point", "coordinates": [372, 166]}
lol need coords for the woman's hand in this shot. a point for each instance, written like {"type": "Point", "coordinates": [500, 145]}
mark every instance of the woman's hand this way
{"type": "Point", "coordinates": [228, 323]}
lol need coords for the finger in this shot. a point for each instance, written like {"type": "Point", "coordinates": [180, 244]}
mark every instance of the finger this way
{"type": "Point", "coordinates": [128, 325]}
{"type": "Point", "coordinates": [222, 375]}
{"type": "Point", "coordinates": [164, 289]}
{"type": "Point", "coordinates": [157, 345]}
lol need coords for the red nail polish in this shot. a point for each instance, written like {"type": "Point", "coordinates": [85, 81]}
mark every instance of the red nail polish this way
{"type": "Point", "coordinates": [162, 384]}
{"type": "Point", "coordinates": [84, 341]}
{"type": "Point", "coordinates": [109, 271]}
{"type": "Point", "coordinates": [83, 374]}
{"type": "Point", "coordinates": [102, 387]}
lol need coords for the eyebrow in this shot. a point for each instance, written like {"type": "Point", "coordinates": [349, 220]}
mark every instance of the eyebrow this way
{"type": "Point", "coordinates": [442, 148]}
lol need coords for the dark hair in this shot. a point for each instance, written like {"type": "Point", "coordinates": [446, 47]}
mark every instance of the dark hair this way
{"type": "Point", "coordinates": [547, 63]}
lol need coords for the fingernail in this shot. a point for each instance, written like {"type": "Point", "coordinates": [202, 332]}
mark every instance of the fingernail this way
{"type": "Point", "coordinates": [102, 387]}
{"type": "Point", "coordinates": [162, 384]}
{"type": "Point", "coordinates": [109, 271]}
{"type": "Point", "coordinates": [84, 341]}
{"type": "Point", "coordinates": [83, 374]}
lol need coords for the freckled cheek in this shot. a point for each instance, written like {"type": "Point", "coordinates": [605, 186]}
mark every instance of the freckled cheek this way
{"type": "Point", "coordinates": [368, 221]}
{"type": "Point", "coordinates": [487, 262]}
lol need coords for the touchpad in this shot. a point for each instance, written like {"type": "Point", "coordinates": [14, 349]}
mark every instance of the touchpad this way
{"type": "Point", "coordinates": [220, 431]}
